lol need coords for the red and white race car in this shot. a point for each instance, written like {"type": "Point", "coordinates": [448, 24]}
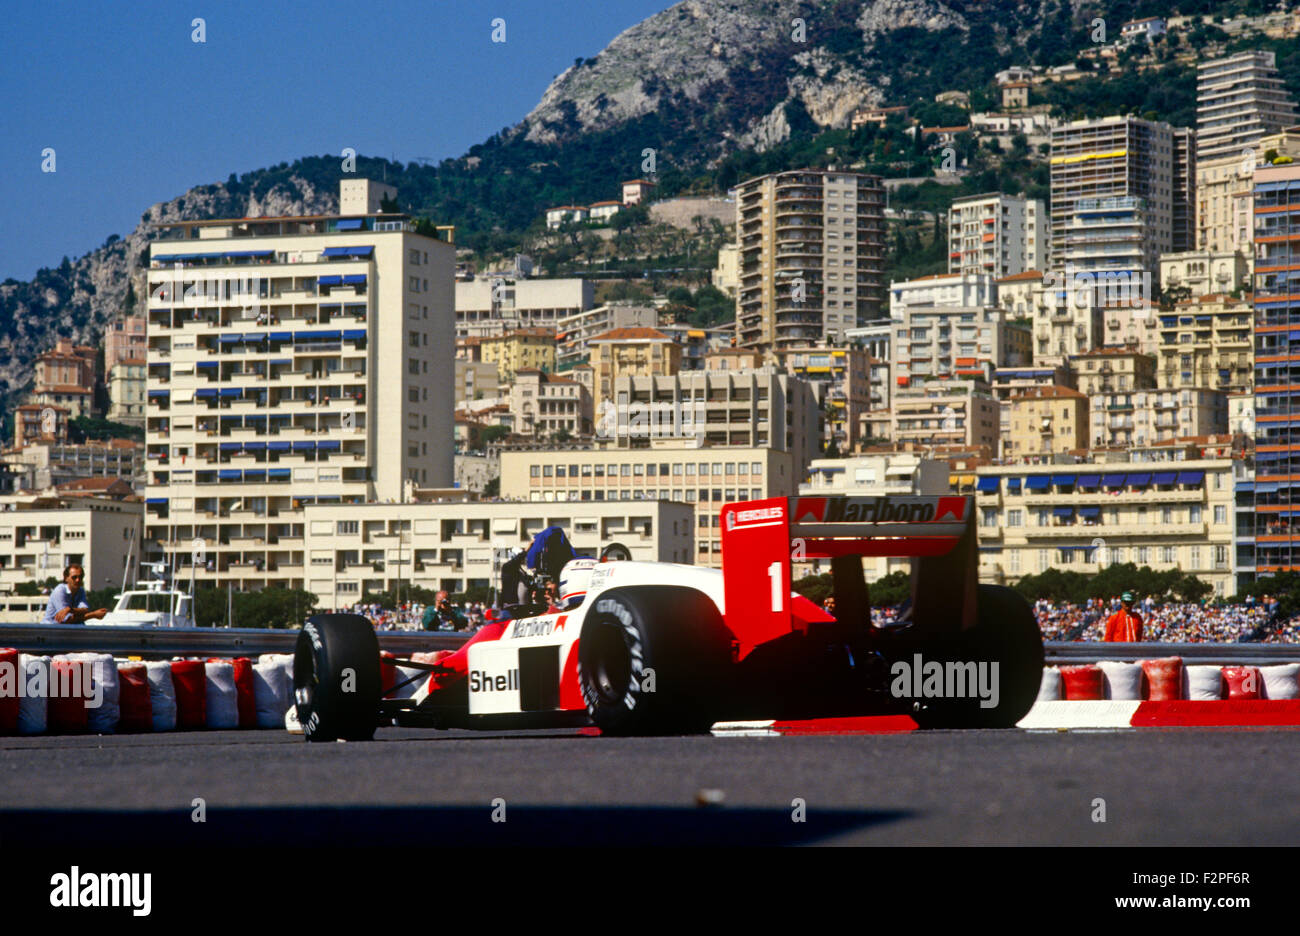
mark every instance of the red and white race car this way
{"type": "Point", "coordinates": [652, 647]}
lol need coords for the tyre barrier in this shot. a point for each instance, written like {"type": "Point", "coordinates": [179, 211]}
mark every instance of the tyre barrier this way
{"type": "Point", "coordinates": [93, 693]}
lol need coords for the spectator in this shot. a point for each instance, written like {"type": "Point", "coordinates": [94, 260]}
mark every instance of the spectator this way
{"type": "Point", "coordinates": [67, 604]}
{"type": "Point", "coordinates": [1125, 625]}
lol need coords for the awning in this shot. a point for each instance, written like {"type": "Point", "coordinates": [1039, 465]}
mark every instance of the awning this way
{"type": "Point", "coordinates": [354, 279]}
{"type": "Point", "coordinates": [304, 446]}
{"type": "Point", "coordinates": [209, 364]}
{"type": "Point", "coordinates": [1088, 481]}
{"type": "Point", "coordinates": [239, 254]}
{"type": "Point", "coordinates": [1013, 484]}
{"type": "Point", "coordinates": [354, 334]}
{"type": "Point", "coordinates": [255, 337]}
{"type": "Point", "coordinates": [205, 393]}
{"type": "Point", "coordinates": [1063, 512]}
{"type": "Point", "coordinates": [230, 474]}
{"type": "Point", "coordinates": [1089, 513]}
{"type": "Point", "coordinates": [318, 336]}
{"type": "Point", "coordinates": [1063, 479]}
{"type": "Point", "coordinates": [283, 360]}
{"type": "Point", "coordinates": [231, 339]}
{"type": "Point", "coordinates": [255, 418]}
{"type": "Point", "coordinates": [255, 474]}
{"type": "Point", "coordinates": [350, 224]}
{"type": "Point", "coordinates": [330, 281]}
{"type": "Point", "coordinates": [1112, 480]}
{"type": "Point", "coordinates": [363, 251]}
{"type": "Point", "coordinates": [1038, 482]}
{"type": "Point", "coordinates": [159, 393]}
{"type": "Point", "coordinates": [1164, 477]}
{"type": "Point", "coordinates": [231, 446]}
{"type": "Point", "coordinates": [989, 483]}
{"type": "Point", "coordinates": [328, 446]}
{"type": "Point", "coordinates": [277, 472]}
{"type": "Point", "coordinates": [281, 336]}
{"type": "Point", "coordinates": [254, 446]}
{"type": "Point", "coordinates": [965, 480]}
{"type": "Point", "coordinates": [1138, 480]}
{"type": "Point", "coordinates": [278, 446]}
{"type": "Point", "coordinates": [1266, 487]}
{"type": "Point", "coordinates": [1191, 477]}
{"type": "Point", "coordinates": [231, 391]}
{"type": "Point", "coordinates": [155, 500]}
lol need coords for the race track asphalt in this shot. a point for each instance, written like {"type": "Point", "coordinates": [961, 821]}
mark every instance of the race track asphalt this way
{"type": "Point", "coordinates": [1168, 787]}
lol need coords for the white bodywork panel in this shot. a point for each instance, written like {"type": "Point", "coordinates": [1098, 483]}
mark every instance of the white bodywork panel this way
{"type": "Point", "coordinates": [494, 664]}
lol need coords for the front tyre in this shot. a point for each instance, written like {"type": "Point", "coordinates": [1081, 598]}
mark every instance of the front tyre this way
{"type": "Point", "coordinates": [336, 678]}
{"type": "Point", "coordinates": [1007, 633]}
{"type": "Point", "coordinates": [653, 660]}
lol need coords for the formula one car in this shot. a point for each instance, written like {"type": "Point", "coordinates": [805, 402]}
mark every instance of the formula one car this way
{"type": "Point", "coordinates": [654, 648]}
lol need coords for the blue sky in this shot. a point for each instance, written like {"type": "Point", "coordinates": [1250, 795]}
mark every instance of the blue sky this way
{"type": "Point", "coordinates": [137, 112]}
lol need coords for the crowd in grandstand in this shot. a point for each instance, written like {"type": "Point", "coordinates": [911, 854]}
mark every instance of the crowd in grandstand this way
{"type": "Point", "coordinates": [1171, 621]}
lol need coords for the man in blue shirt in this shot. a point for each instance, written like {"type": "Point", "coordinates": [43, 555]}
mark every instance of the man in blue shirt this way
{"type": "Point", "coordinates": [67, 603]}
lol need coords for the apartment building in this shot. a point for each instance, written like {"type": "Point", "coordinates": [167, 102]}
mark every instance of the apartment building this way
{"type": "Point", "coordinates": [1239, 98]}
{"type": "Point", "coordinates": [496, 305]}
{"type": "Point", "coordinates": [698, 344]}
{"type": "Point", "coordinates": [811, 256]}
{"type": "Point", "coordinates": [873, 475]}
{"type": "Point", "coordinates": [476, 380]}
{"type": "Point", "coordinates": [300, 360]}
{"type": "Point", "coordinates": [1083, 517]}
{"type": "Point", "coordinates": [126, 391]}
{"type": "Point", "coordinates": [1131, 324]}
{"type": "Point", "coordinates": [518, 350]}
{"type": "Point", "coordinates": [124, 338]}
{"type": "Point", "coordinates": [1208, 342]}
{"type": "Point", "coordinates": [573, 332]}
{"type": "Point", "coordinates": [34, 422]}
{"type": "Point", "coordinates": [996, 234]}
{"type": "Point", "coordinates": [40, 465]}
{"type": "Point", "coordinates": [39, 535]}
{"type": "Point", "coordinates": [1196, 273]}
{"type": "Point", "coordinates": [1113, 194]}
{"type": "Point", "coordinates": [1145, 417]}
{"type": "Point", "coordinates": [960, 341]}
{"type": "Point", "coordinates": [65, 377]}
{"type": "Point", "coordinates": [1046, 421]}
{"type": "Point", "coordinates": [726, 275]}
{"type": "Point", "coordinates": [631, 352]}
{"type": "Point", "coordinates": [700, 477]}
{"type": "Point", "coordinates": [1184, 189]}
{"type": "Point", "coordinates": [942, 289]}
{"type": "Point", "coordinates": [752, 408]}
{"type": "Point", "coordinates": [840, 379]}
{"type": "Point", "coordinates": [545, 405]}
{"type": "Point", "coordinates": [1108, 370]}
{"type": "Point", "coordinates": [1224, 203]}
{"type": "Point", "coordinates": [356, 549]}
{"type": "Point", "coordinates": [944, 413]}
{"type": "Point", "coordinates": [1277, 369]}
{"type": "Point", "coordinates": [1010, 382]}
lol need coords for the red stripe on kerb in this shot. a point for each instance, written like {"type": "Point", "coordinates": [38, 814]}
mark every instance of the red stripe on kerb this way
{"type": "Point", "coordinates": [1210, 713]}
{"type": "Point", "coordinates": [865, 724]}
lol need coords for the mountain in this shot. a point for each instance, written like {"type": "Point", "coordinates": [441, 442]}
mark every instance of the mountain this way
{"type": "Point", "coordinates": [715, 88]}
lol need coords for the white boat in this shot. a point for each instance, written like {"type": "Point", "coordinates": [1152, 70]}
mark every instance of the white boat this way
{"type": "Point", "coordinates": [153, 605]}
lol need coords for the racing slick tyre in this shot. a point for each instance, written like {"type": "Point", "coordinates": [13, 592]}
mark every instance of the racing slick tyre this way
{"type": "Point", "coordinates": [336, 678]}
{"type": "Point", "coordinates": [653, 660]}
{"type": "Point", "coordinates": [1007, 633]}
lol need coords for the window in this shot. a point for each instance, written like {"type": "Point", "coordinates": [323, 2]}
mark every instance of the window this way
{"type": "Point", "coordinates": [1194, 513]}
{"type": "Point", "coordinates": [346, 527]}
{"type": "Point", "coordinates": [1044, 560]}
{"type": "Point", "coordinates": [988, 517]}
{"type": "Point", "coordinates": [1166, 515]}
{"type": "Point", "coordinates": [1168, 554]}
{"type": "Point", "coordinates": [413, 395]}
{"type": "Point", "coordinates": [1014, 518]}
{"type": "Point", "coordinates": [1143, 555]}
{"type": "Point", "coordinates": [1044, 517]}
{"type": "Point", "coordinates": [1195, 552]}
{"type": "Point", "coordinates": [1220, 514]}
{"type": "Point", "coordinates": [625, 471]}
{"type": "Point", "coordinates": [534, 471]}
{"type": "Point", "coordinates": [412, 366]}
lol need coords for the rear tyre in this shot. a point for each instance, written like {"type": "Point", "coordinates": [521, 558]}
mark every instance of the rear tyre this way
{"type": "Point", "coordinates": [654, 660]}
{"type": "Point", "coordinates": [336, 678]}
{"type": "Point", "coordinates": [1007, 633]}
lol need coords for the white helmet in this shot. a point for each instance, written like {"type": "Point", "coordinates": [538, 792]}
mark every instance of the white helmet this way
{"type": "Point", "coordinates": [574, 578]}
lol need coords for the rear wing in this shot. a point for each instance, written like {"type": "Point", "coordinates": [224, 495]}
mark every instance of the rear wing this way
{"type": "Point", "coordinates": [761, 541]}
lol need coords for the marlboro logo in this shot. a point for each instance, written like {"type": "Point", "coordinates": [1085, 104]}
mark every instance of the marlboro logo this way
{"type": "Point", "coordinates": [880, 509]}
